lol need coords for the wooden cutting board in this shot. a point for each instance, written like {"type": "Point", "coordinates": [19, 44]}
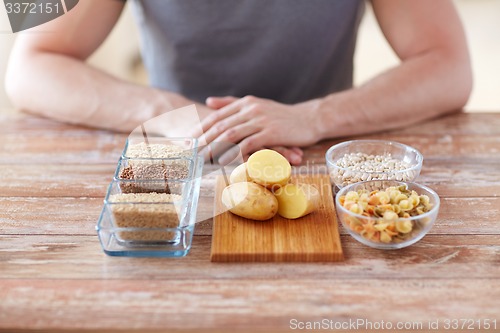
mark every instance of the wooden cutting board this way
{"type": "Point", "coordinates": [314, 237]}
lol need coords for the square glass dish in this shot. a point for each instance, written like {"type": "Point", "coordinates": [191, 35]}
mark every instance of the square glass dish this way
{"type": "Point", "coordinates": [150, 218]}
{"type": "Point", "coordinates": [141, 169]}
{"type": "Point", "coordinates": [159, 147]}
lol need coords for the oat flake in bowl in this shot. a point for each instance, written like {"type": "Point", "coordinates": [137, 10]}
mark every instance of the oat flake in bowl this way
{"type": "Point", "coordinates": [364, 160]}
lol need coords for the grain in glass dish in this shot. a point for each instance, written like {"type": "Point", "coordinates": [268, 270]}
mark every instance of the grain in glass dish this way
{"type": "Point", "coordinates": [145, 211]}
{"type": "Point", "coordinates": [362, 166]}
{"type": "Point", "coordinates": [156, 150]}
{"type": "Point", "coordinates": [144, 175]}
{"type": "Point", "coordinates": [355, 161]}
{"type": "Point", "coordinates": [153, 161]}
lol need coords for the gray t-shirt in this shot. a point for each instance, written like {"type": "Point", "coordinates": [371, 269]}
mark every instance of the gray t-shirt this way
{"type": "Point", "coordinates": [286, 50]}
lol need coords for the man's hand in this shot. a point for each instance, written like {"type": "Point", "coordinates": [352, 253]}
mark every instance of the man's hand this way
{"type": "Point", "coordinates": [257, 123]}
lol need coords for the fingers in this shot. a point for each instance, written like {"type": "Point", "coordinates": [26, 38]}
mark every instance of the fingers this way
{"type": "Point", "coordinates": [293, 155]}
{"type": "Point", "coordinates": [257, 141]}
{"type": "Point", "coordinates": [226, 126]}
{"type": "Point", "coordinates": [242, 120]}
{"type": "Point", "coordinates": [298, 151]}
{"type": "Point", "coordinates": [221, 114]}
{"type": "Point", "coordinates": [212, 104]}
{"type": "Point", "coordinates": [219, 102]}
{"type": "Point", "coordinates": [252, 143]}
{"type": "Point", "coordinates": [232, 156]}
{"type": "Point", "coordinates": [232, 129]}
{"type": "Point", "coordinates": [212, 153]}
{"type": "Point", "coordinates": [207, 124]}
{"type": "Point", "coordinates": [229, 138]}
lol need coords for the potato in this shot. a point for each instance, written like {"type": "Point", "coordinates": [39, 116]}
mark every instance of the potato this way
{"type": "Point", "coordinates": [269, 168]}
{"type": "Point", "coordinates": [250, 200]}
{"type": "Point", "coordinates": [297, 200]}
{"type": "Point", "coordinates": [239, 174]}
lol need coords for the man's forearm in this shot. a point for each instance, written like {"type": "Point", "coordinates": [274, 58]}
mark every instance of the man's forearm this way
{"type": "Point", "coordinates": [69, 90]}
{"type": "Point", "coordinates": [420, 88]}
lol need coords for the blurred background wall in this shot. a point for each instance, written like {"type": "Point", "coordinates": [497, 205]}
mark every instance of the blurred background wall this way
{"type": "Point", "coordinates": [119, 55]}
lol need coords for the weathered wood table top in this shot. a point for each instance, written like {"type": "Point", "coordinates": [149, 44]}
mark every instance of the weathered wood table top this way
{"type": "Point", "coordinates": [55, 277]}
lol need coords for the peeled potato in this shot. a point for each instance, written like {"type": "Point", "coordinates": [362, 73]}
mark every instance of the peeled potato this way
{"type": "Point", "coordinates": [239, 174]}
{"type": "Point", "coordinates": [268, 168]}
{"type": "Point", "coordinates": [297, 200]}
{"type": "Point", "coordinates": [250, 200]}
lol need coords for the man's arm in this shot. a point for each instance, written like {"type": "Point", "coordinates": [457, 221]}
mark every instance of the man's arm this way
{"type": "Point", "coordinates": [433, 78]}
{"type": "Point", "coordinates": [47, 74]}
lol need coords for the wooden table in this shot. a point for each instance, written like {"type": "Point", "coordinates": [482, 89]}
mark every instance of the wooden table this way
{"type": "Point", "coordinates": [55, 277]}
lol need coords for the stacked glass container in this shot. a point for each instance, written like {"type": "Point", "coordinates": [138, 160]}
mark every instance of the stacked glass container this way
{"type": "Point", "coordinates": [150, 206]}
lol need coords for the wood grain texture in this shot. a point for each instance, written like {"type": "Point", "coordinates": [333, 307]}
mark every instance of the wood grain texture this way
{"type": "Point", "coordinates": [77, 216]}
{"type": "Point", "coordinates": [33, 141]}
{"type": "Point", "coordinates": [314, 237]}
{"type": "Point", "coordinates": [55, 180]}
{"type": "Point", "coordinates": [80, 257]}
{"type": "Point", "coordinates": [210, 304]}
{"type": "Point", "coordinates": [54, 276]}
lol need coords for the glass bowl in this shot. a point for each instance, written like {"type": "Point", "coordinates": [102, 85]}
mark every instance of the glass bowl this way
{"type": "Point", "coordinates": [156, 228]}
{"type": "Point", "coordinates": [387, 234]}
{"type": "Point", "coordinates": [409, 159]}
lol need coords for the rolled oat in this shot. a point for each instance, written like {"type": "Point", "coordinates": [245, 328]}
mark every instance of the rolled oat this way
{"type": "Point", "coordinates": [358, 167]}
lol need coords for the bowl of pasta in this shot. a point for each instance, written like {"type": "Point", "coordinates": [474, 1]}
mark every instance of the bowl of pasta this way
{"type": "Point", "coordinates": [387, 214]}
